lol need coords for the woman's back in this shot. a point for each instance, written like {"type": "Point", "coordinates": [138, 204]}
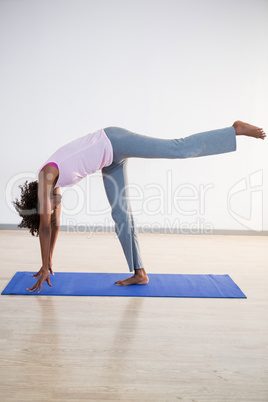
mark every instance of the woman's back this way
{"type": "Point", "coordinates": [80, 157]}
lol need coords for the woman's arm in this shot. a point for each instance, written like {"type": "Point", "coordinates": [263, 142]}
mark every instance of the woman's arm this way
{"type": "Point", "coordinates": [44, 239]}
{"type": "Point", "coordinates": [55, 227]}
{"type": "Point", "coordinates": [44, 196]}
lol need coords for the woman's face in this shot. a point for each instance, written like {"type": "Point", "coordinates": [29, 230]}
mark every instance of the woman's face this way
{"type": "Point", "coordinates": [55, 200]}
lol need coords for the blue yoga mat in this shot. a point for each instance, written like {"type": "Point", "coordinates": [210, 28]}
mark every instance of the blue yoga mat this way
{"type": "Point", "coordinates": [102, 284]}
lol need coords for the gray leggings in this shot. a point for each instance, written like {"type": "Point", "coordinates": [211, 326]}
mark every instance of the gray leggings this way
{"type": "Point", "coordinates": [127, 144]}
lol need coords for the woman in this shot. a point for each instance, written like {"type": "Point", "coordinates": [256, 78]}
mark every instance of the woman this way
{"type": "Point", "coordinates": [108, 149]}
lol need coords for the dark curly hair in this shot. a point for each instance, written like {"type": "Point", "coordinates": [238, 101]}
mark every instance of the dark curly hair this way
{"type": "Point", "coordinates": [28, 207]}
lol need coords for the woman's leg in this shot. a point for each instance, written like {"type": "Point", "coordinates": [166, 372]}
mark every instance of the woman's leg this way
{"type": "Point", "coordinates": [115, 183]}
{"type": "Point", "coordinates": [127, 144]}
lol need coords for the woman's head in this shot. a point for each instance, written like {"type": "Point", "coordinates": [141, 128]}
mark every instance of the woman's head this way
{"type": "Point", "coordinates": [28, 206]}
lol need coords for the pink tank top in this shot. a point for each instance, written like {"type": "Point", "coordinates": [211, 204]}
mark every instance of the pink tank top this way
{"type": "Point", "coordinates": [81, 157]}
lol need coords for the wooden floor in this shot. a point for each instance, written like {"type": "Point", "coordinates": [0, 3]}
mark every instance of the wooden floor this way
{"type": "Point", "coordinates": [136, 349]}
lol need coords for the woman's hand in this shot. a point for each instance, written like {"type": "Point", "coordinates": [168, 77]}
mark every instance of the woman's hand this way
{"type": "Point", "coordinates": [42, 269]}
{"type": "Point", "coordinates": [43, 275]}
{"type": "Point", "coordinates": [50, 267]}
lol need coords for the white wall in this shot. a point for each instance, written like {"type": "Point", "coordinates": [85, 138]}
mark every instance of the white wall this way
{"type": "Point", "coordinates": [163, 68]}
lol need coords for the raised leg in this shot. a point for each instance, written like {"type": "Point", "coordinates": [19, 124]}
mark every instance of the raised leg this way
{"type": "Point", "coordinates": [127, 144]}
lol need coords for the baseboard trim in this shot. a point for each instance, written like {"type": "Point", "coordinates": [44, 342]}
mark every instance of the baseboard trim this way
{"type": "Point", "coordinates": [110, 229]}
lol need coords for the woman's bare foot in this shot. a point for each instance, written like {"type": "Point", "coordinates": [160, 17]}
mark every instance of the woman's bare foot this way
{"type": "Point", "coordinates": [139, 278]}
{"type": "Point", "coordinates": [242, 128]}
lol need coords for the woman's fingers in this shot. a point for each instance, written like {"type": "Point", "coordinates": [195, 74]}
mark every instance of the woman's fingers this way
{"type": "Point", "coordinates": [37, 274]}
{"type": "Point", "coordinates": [38, 285]}
{"type": "Point", "coordinates": [33, 288]}
{"type": "Point", "coordinates": [41, 271]}
{"type": "Point", "coordinates": [51, 271]}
